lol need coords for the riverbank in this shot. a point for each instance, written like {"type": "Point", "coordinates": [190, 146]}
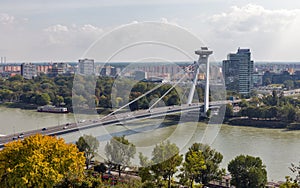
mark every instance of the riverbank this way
{"type": "Point", "coordinates": [272, 124]}
{"type": "Point", "coordinates": [23, 106]}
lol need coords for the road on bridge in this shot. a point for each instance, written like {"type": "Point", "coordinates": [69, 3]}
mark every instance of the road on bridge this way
{"type": "Point", "coordinates": [109, 120]}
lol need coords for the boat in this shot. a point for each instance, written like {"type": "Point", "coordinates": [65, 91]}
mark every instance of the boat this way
{"type": "Point", "coordinates": [52, 109]}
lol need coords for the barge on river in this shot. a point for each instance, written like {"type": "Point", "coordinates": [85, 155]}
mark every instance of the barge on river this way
{"type": "Point", "coordinates": [52, 109]}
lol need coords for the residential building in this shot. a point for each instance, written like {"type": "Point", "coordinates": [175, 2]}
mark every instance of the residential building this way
{"type": "Point", "coordinates": [140, 75]}
{"type": "Point", "coordinates": [58, 69]}
{"type": "Point", "coordinates": [43, 68]}
{"type": "Point", "coordinates": [238, 71]}
{"type": "Point", "coordinates": [28, 70]}
{"type": "Point", "coordinates": [86, 66]}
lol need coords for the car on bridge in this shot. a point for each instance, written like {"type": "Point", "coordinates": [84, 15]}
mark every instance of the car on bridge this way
{"type": "Point", "coordinates": [21, 135]}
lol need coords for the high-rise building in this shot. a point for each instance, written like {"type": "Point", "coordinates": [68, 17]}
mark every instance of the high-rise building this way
{"type": "Point", "coordinates": [238, 71]}
{"type": "Point", "coordinates": [28, 70]}
{"type": "Point", "coordinates": [86, 66]}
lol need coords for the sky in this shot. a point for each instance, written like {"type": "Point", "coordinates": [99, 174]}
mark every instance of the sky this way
{"type": "Point", "coordinates": [63, 30]}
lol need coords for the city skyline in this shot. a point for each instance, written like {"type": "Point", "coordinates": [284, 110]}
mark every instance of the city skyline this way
{"type": "Point", "coordinates": [60, 31]}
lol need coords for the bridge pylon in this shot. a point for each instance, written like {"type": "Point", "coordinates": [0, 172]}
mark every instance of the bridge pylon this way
{"type": "Point", "coordinates": [203, 53]}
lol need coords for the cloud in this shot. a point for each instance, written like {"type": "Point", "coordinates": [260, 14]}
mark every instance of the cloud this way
{"type": "Point", "coordinates": [74, 34]}
{"type": "Point", "coordinates": [6, 19]}
{"type": "Point", "coordinates": [253, 18]}
{"type": "Point", "coordinates": [271, 34]}
{"type": "Point", "coordinates": [57, 28]}
{"type": "Point", "coordinates": [167, 21]}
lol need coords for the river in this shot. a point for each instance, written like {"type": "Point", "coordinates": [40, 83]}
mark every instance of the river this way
{"type": "Point", "coordinates": [277, 148]}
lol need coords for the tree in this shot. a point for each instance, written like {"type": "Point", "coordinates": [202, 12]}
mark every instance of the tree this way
{"type": "Point", "coordinates": [16, 77]}
{"type": "Point", "coordinates": [89, 145]}
{"type": "Point", "coordinates": [119, 101]}
{"type": "Point", "coordinates": [144, 170]}
{"type": "Point", "coordinates": [100, 168]}
{"type": "Point", "coordinates": [166, 159]}
{"type": "Point", "coordinates": [39, 161]}
{"type": "Point", "coordinates": [252, 112]}
{"type": "Point", "coordinates": [289, 84]}
{"type": "Point", "coordinates": [43, 99]}
{"type": "Point", "coordinates": [119, 151]}
{"type": "Point", "coordinates": [287, 113]}
{"type": "Point", "coordinates": [193, 165]}
{"type": "Point", "coordinates": [58, 100]}
{"type": "Point", "coordinates": [208, 113]}
{"type": "Point", "coordinates": [6, 95]}
{"type": "Point", "coordinates": [247, 172]}
{"type": "Point", "coordinates": [212, 161]}
{"type": "Point", "coordinates": [244, 103]}
{"type": "Point", "coordinates": [228, 111]}
{"type": "Point", "coordinates": [173, 100]}
{"type": "Point", "coordinates": [289, 183]}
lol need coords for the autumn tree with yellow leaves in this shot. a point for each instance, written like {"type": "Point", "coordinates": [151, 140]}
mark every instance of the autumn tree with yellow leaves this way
{"type": "Point", "coordinates": [40, 161]}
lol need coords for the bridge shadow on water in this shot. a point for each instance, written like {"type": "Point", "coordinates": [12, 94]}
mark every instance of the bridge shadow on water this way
{"type": "Point", "coordinates": [170, 120]}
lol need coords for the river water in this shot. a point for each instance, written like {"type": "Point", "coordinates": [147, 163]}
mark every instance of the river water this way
{"type": "Point", "coordinates": [277, 148]}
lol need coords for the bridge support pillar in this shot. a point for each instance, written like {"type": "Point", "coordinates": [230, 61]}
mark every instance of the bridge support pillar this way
{"type": "Point", "coordinates": [203, 53]}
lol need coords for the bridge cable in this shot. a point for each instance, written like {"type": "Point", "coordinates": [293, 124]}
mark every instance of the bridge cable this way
{"type": "Point", "coordinates": [167, 92]}
{"type": "Point", "coordinates": [136, 99]}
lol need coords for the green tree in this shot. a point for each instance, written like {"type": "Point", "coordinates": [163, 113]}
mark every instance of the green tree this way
{"type": "Point", "coordinates": [287, 113]}
{"type": "Point", "coordinates": [16, 77]}
{"type": "Point", "coordinates": [43, 99]}
{"type": "Point", "coordinates": [144, 170]}
{"type": "Point", "coordinates": [193, 165]}
{"type": "Point", "coordinates": [289, 84]}
{"type": "Point", "coordinates": [103, 101]}
{"type": "Point", "coordinates": [247, 172]}
{"type": "Point", "coordinates": [289, 183]}
{"type": "Point", "coordinates": [119, 101]}
{"type": "Point", "coordinates": [166, 159]}
{"type": "Point", "coordinates": [252, 112]}
{"type": "Point", "coordinates": [119, 151]}
{"type": "Point", "coordinates": [173, 100]}
{"type": "Point", "coordinates": [89, 145]}
{"type": "Point", "coordinates": [39, 161]}
{"type": "Point", "coordinates": [228, 111]}
{"type": "Point", "coordinates": [6, 95]}
{"type": "Point", "coordinates": [244, 103]}
{"type": "Point", "coordinates": [212, 161]}
{"type": "Point", "coordinates": [58, 100]}
{"type": "Point", "coordinates": [78, 101]}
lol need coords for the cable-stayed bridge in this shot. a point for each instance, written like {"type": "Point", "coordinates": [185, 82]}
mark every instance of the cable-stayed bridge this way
{"type": "Point", "coordinates": [119, 115]}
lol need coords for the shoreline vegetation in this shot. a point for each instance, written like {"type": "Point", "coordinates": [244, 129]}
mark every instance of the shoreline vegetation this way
{"type": "Point", "coordinates": [257, 123]}
{"type": "Point", "coordinates": [22, 106]}
{"type": "Point", "coordinates": [242, 121]}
